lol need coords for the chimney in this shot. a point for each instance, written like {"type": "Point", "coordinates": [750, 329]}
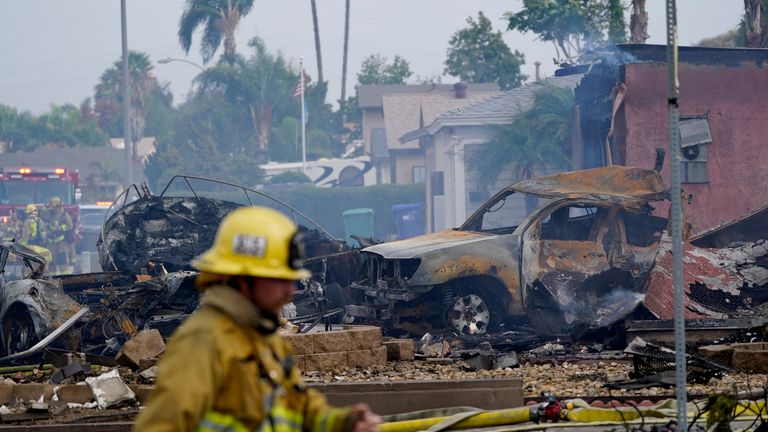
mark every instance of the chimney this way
{"type": "Point", "coordinates": [538, 70]}
{"type": "Point", "coordinates": [460, 90]}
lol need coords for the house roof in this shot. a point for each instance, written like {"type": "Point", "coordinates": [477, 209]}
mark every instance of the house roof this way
{"type": "Point", "coordinates": [405, 112]}
{"type": "Point", "coordinates": [370, 96]}
{"type": "Point", "coordinates": [86, 160]}
{"type": "Point", "coordinates": [500, 109]}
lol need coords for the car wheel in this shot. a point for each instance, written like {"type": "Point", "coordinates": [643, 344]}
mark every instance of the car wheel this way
{"type": "Point", "coordinates": [21, 335]}
{"type": "Point", "coordinates": [470, 314]}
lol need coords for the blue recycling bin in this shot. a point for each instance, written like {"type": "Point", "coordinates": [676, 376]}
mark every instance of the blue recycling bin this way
{"type": "Point", "coordinates": [409, 219]}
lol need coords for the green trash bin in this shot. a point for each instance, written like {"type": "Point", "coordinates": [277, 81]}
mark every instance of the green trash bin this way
{"type": "Point", "coordinates": [357, 222]}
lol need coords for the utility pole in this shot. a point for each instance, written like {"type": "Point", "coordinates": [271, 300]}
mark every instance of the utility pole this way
{"type": "Point", "coordinates": [317, 43]}
{"type": "Point", "coordinates": [673, 91]}
{"type": "Point", "coordinates": [127, 140]}
{"type": "Point", "coordinates": [344, 63]}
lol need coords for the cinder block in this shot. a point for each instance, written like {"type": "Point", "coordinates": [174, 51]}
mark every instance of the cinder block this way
{"type": "Point", "coordinates": [145, 364]}
{"type": "Point", "coordinates": [28, 392]}
{"type": "Point", "coordinates": [367, 358]}
{"type": "Point", "coordinates": [326, 362]}
{"type": "Point", "coordinates": [145, 345]}
{"type": "Point", "coordinates": [330, 341]}
{"type": "Point", "coordinates": [752, 357]}
{"type": "Point", "coordinates": [400, 349]}
{"type": "Point", "coordinates": [301, 343]}
{"type": "Point", "coordinates": [363, 337]}
{"type": "Point", "coordinates": [719, 353]}
{"type": "Point", "coordinates": [6, 392]}
{"type": "Point", "coordinates": [75, 393]}
{"type": "Point", "coordinates": [300, 361]}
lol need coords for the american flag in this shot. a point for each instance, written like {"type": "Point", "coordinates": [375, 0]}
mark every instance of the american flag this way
{"type": "Point", "coordinates": [300, 86]}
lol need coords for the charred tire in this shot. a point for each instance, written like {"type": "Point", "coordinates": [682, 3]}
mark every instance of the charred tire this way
{"type": "Point", "coordinates": [474, 311]}
{"type": "Point", "coordinates": [19, 331]}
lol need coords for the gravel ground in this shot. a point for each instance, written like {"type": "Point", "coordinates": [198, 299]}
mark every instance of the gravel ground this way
{"type": "Point", "coordinates": [571, 379]}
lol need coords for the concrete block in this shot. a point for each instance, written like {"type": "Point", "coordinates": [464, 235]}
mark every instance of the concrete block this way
{"type": "Point", "coordinates": [363, 337]}
{"type": "Point", "coordinates": [326, 362]}
{"type": "Point", "coordinates": [145, 345]}
{"type": "Point", "coordinates": [330, 341]}
{"type": "Point", "coordinates": [110, 390]}
{"type": "Point", "coordinates": [400, 349]}
{"type": "Point", "coordinates": [751, 357]}
{"type": "Point", "coordinates": [301, 343]}
{"type": "Point", "coordinates": [719, 353]}
{"type": "Point", "coordinates": [367, 358]}
{"type": "Point", "coordinates": [508, 360]}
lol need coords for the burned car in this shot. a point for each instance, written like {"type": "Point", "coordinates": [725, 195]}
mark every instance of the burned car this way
{"type": "Point", "coordinates": [575, 261]}
{"type": "Point", "coordinates": [145, 247]}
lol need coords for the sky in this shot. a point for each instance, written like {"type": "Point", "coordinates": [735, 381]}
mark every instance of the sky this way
{"type": "Point", "coordinates": [53, 51]}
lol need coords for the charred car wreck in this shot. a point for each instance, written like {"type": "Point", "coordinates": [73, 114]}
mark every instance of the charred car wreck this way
{"type": "Point", "coordinates": [582, 260]}
{"type": "Point", "coordinates": [146, 245]}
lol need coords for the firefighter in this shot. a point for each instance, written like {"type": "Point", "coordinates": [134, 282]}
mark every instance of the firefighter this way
{"type": "Point", "coordinates": [226, 368]}
{"type": "Point", "coordinates": [12, 229]}
{"type": "Point", "coordinates": [33, 233]}
{"type": "Point", "coordinates": [59, 225]}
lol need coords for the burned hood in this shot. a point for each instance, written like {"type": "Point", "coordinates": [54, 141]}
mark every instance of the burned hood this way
{"type": "Point", "coordinates": [626, 186]}
{"type": "Point", "coordinates": [418, 246]}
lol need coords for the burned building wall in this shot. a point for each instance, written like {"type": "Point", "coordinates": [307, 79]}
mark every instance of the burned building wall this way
{"type": "Point", "coordinates": [730, 95]}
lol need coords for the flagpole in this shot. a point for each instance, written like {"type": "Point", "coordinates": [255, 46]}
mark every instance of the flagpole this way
{"type": "Point", "coordinates": [303, 119]}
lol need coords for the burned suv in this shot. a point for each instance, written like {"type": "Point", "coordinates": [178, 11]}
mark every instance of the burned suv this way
{"type": "Point", "coordinates": [576, 262]}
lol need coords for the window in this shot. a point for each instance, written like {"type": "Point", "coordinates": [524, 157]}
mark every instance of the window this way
{"type": "Point", "coordinates": [419, 174]}
{"type": "Point", "coordinates": [695, 139]}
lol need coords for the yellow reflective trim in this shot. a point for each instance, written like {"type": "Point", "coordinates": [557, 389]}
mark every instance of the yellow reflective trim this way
{"type": "Point", "coordinates": [326, 421]}
{"type": "Point", "coordinates": [288, 414]}
{"type": "Point", "coordinates": [214, 421]}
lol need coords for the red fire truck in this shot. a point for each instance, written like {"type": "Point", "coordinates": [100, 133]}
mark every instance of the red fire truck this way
{"type": "Point", "coordinates": [22, 185]}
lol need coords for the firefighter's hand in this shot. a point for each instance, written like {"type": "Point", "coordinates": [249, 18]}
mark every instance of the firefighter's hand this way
{"type": "Point", "coordinates": [367, 421]}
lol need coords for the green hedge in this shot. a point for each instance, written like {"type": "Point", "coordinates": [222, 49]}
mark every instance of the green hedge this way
{"type": "Point", "coordinates": [326, 205]}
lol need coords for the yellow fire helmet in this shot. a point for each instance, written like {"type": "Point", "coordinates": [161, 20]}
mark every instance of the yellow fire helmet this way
{"type": "Point", "coordinates": [255, 241]}
{"type": "Point", "coordinates": [54, 201]}
{"type": "Point", "coordinates": [30, 208]}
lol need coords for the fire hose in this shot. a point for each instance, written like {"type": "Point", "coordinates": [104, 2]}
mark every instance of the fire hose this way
{"type": "Point", "coordinates": [573, 413]}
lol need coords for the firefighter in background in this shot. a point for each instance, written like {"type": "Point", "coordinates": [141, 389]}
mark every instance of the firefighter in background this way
{"type": "Point", "coordinates": [243, 377]}
{"type": "Point", "coordinates": [33, 233]}
{"type": "Point", "coordinates": [59, 227]}
{"type": "Point", "coordinates": [13, 227]}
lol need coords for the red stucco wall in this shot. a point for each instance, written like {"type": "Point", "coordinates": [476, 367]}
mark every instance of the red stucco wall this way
{"type": "Point", "coordinates": [735, 99]}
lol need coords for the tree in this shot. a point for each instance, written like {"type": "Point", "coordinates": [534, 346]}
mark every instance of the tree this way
{"type": "Point", "coordinates": [261, 85]}
{"type": "Point", "coordinates": [535, 139]}
{"type": "Point", "coordinates": [755, 23]}
{"type": "Point", "coordinates": [478, 54]}
{"type": "Point", "coordinates": [638, 22]}
{"type": "Point", "coordinates": [376, 70]}
{"type": "Point", "coordinates": [63, 125]}
{"type": "Point", "coordinates": [219, 20]}
{"type": "Point", "coordinates": [144, 91]}
{"type": "Point", "coordinates": [571, 25]}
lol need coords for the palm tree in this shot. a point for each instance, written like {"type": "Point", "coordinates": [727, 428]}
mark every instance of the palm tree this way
{"type": "Point", "coordinates": [219, 18]}
{"type": "Point", "coordinates": [108, 97]}
{"type": "Point", "coordinates": [262, 85]}
{"type": "Point", "coordinates": [638, 22]}
{"type": "Point", "coordinates": [536, 139]}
